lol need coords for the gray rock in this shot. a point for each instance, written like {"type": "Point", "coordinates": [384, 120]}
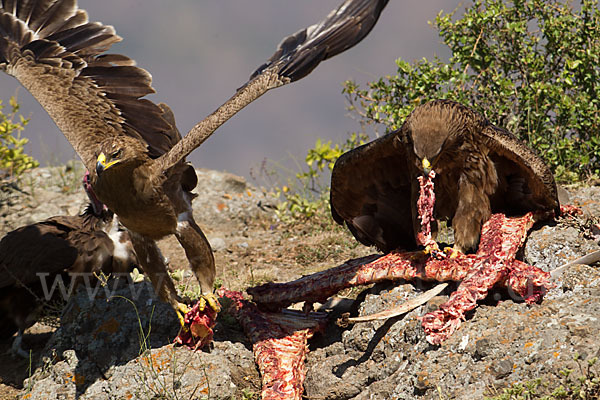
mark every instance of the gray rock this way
{"type": "Point", "coordinates": [588, 198]}
{"type": "Point", "coordinates": [118, 345]}
{"type": "Point", "coordinates": [552, 246]}
{"type": "Point", "coordinates": [217, 243]}
{"type": "Point", "coordinates": [110, 348]}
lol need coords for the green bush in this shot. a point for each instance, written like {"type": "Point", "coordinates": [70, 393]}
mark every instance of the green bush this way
{"type": "Point", "coordinates": [305, 194]}
{"type": "Point", "coordinates": [531, 66]}
{"type": "Point", "coordinates": [13, 161]}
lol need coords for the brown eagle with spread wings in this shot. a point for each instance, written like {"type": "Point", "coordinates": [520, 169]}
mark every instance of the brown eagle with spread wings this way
{"type": "Point", "coordinates": [480, 169]}
{"type": "Point", "coordinates": [131, 145]}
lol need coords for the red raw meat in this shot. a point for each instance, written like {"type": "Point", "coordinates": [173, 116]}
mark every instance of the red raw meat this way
{"type": "Point", "coordinates": [279, 342]}
{"type": "Point", "coordinates": [400, 266]}
{"type": "Point", "coordinates": [493, 264]}
{"type": "Point", "coordinates": [198, 329]}
{"type": "Point", "coordinates": [425, 209]}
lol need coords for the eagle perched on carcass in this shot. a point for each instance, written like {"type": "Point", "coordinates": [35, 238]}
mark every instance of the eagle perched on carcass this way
{"type": "Point", "coordinates": [480, 169]}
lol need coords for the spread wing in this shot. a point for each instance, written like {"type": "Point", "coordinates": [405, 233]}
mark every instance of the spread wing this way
{"type": "Point", "coordinates": [371, 193]}
{"type": "Point", "coordinates": [296, 57]}
{"type": "Point", "coordinates": [56, 54]}
{"type": "Point", "coordinates": [525, 183]}
{"type": "Point", "coordinates": [298, 54]}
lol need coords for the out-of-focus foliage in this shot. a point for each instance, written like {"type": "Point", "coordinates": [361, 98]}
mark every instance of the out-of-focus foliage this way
{"type": "Point", "coordinates": [305, 194]}
{"type": "Point", "coordinates": [13, 160]}
{"type": "Point", "coordinates": [531, 66]}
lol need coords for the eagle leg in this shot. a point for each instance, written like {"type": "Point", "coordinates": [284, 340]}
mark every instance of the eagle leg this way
{"type": "Point", "coordinates": [472, 211]}
{"type": "Point", "coordinates": [153, 263]}
{"type": "Point", "coordinates": [199, 322]}
{"type": "Point", "coordinates": [16, 349]}
{"type": "Point", "coordinates": [199, 254]}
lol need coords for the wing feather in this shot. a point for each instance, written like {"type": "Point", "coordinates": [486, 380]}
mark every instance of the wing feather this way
{"type": "Point", "coordinates": [38, 248]}
{"type": "Point", "coordinates": [525, 181]}
{"type": "Point", "coordinates": [371, 192]}
{"type": "Point", "coordinates": [52, 49]}
{"type": "Point", "coordinates": [295, 58]}
{"type": "Point", "coordinates": [298, 54]}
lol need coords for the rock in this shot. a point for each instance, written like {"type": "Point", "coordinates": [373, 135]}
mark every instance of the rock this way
{"type": "Point", "coordinates": [100, 352]}
{"type": "Point", "coordinates": [118, 345]}
{"type": "Point", "coordinates": [588, 198]}
{"type": "Point", "coordinates": [552, 246]}
{"type": "Point", "coordinates": [577, 277]}
{"type": "Point", "coordinates": [217, 243]}
{"type": "Point", "coordinates": [500, 343]}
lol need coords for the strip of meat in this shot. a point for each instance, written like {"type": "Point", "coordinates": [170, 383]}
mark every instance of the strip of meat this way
{"type": "Point", "coordinates": [392, 266]}
{"type": "Point", "coordinates": [501, 238]}
{"type": "Point", "coordinates": [494, 264]}
{"type": "Point", "coordinates": [279, 342]}
{"type": "Point", "coordinates": [425, 205]}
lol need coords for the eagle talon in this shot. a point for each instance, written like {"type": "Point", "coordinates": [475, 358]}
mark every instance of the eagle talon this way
{"type": "Point", "coordinates": [433, 250]}
{"type": "Point", "coordinates": [452, 252]}
{"type": "Point", "coordinates": [211, 300]}
{"type": "Point", "coordinates": [181, 311]}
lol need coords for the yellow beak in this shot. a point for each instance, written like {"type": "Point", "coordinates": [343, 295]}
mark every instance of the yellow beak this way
{"type": "Point", "coordinates": [426, 166]}
{"type": "Point", "coordinates": [102, 165]}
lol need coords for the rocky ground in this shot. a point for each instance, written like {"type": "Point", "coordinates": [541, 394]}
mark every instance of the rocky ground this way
{"type": "Point", "coordinates": [118, 346]}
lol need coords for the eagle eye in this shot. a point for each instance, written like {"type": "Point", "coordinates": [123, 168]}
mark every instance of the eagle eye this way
{"type": "Point", "coordinates": [117, 154]}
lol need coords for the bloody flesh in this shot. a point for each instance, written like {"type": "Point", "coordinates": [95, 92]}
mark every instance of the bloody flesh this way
{"type": "Point", "coordinates": [280, 345]}
{"type": "Point", "coordinates": [405, 266]}
{"type": "Point", "coordinates": [493, 264]}
{"type": "Point", "coordinates": [198, 329]}
{"type": "Point", "coordinates": [425, 206]}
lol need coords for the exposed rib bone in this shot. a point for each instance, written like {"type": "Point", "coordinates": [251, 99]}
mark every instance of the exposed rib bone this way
{"type": "Point", "coordinates": [403, 308]}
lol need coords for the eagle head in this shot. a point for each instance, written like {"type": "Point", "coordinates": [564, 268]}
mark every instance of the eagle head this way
{"type": "Point", "coordinates": [429, 143]}
{"type": "Point", "coordinates": [435, 129]}
{"type": "Point", "coordinates": [120, 151]}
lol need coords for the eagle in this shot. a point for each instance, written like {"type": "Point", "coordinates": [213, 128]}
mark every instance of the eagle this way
{"type": "Point", "coordinates": [479, 168]}
{"type": "Point", "coordinates": [131, 145]}
{"type": "Point", "coordinates": [69, 248]}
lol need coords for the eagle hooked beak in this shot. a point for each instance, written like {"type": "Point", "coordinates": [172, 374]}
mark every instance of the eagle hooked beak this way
{"type": "Point", "coordinates": [102, 165]}
{"type": "Point", "coordinates": [426, 166]}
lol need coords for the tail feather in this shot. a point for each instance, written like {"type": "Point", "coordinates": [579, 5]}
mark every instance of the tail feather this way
{"type": "Point", "coordinates": [298, 54]}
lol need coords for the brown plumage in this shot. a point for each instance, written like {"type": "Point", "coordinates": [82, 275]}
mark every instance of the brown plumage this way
{"type": "Point", "coordinates": [63, 247]}
{"type": "Point", "coordinates": [131, 145]}
{"type": "Point", "coordinates": [481, 169]}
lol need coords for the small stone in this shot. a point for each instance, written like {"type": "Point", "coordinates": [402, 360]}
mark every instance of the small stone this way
{"type": "Point", "coordinates": [217, 243]}
{"type": "Point", "coordinates": [502, 369]}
